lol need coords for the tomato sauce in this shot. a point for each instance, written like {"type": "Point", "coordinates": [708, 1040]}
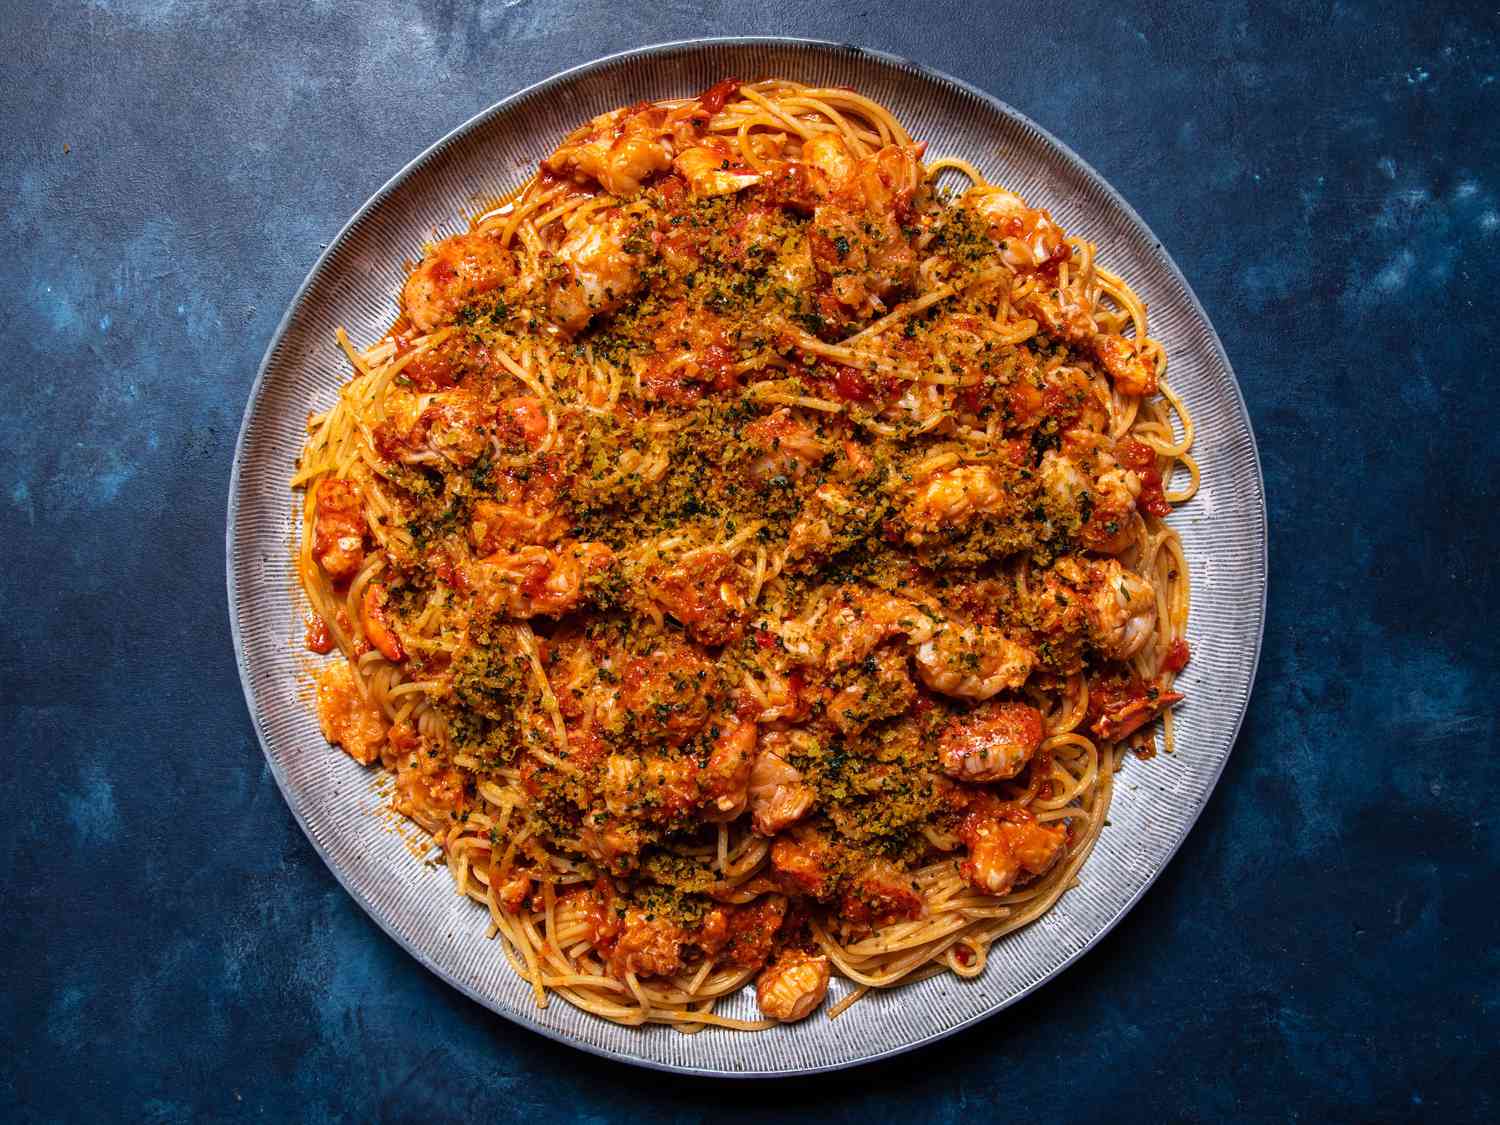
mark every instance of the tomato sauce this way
{"type": "Point", "coordinates": [712, 100]}
{"type": "Point", "coordinates": [1177, 656]}
{"type": "Point", "coordinates": [1139, 456]}
{"type": "Point", "coordinates": [317, 637]}
{"type": "Point", "coordinates": [851, 385]}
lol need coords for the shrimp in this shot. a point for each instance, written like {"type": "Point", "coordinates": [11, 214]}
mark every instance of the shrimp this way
{"type": "Point", "coordinates": [452, 426]}
{"type": "Point", "coordinates": [1004, 841]}
{"type": "Point", "coordinates": [541, 581]}
{"type": "Point", "coordinates": [788, 699]}
{"type": "Point", "coordinates": [599, 273]}
{"type": "Point", "coordinates": [624, 148]}
{"type": "Point", "coordinates": [802, 861]}
{"type": "Point", "coordinates": [789, 446]}
{"type": "Point", "coordinates": [704, 594]}
{"type": "Point", "coordinates": [882, 688]}
{"type": "Point", "coordinates": [521, 421]}
{"type": "Point", "coordinates": [831, 159]}
{"type": "Point", "coordinates": [618, 785]}
{"type": "Point", "coordinates": [1085, 485]}
{"type": "Point", "coordinates": [513, 893]}
{"type": "Point", "coordinates": [1097, 600]}
{"type": "Point", "coordinates": [376, 622]}
{"type": "Point", "coordinates": [1121, 358]}
{"type": "Point", "coordinates": [779, 797]}
{"type": "Point", "coordinates": [792, 986]}
{"type": "Point", "coordinates": [1121, 609]}
{"type": "Point", "coordinates": [793, 267]}
{"type": "Point", "coordinates": [973, 661]}
{"type": "Point", "coordinates": [755, 237]}
{"type": "Point", "coordinates": [1120, 704]}
{"type": "Point", "coordinates": [574, 670]}
{"type": "Point", "coordinates": [951, 498]}
{"type": "Point", "coordinates": [861, 623]}
{"type": "Point", "coordinates": [619, 150]}
{"type": "Point", "coordinates": [664, 696]}
{"type": "Point", "coordinates": [857, 461]}
{"type": "Point", "coordinates": [653, 787]}
{"type": "Point", "coordinates": [428, 792]}
{"type": "Point", "coordinates": [881, 893]}
{"type": "Point", "coordinates": [692, 356]}
{"type": "Point", "coordinates": [347, 717]}
{"type": "Point", "coordinates": [858, 242]}
{"type": "Point", "coordinates": [1108, 528]}
{"type": "Point", "coordinates": [726, 779]}
{"type": "Point", "coordinates": [1028, 237]}
{"type": "Point", "coordinates": [711, 171]}
{"type": "Point", "coordinates": [338, 529]}
{"type": "Point", "coordinates": [496, 526]}
{"type": "Point", "coordinates": [1066, 394]}
{"type": "Point", "coordinates": [451, 274]}
{"type": "Point", "coordinates": [649, 945]}
{"type": "Point", "coordinates": [811, 535]}
{"type": "Point", "coordinates": [1063, 482]}
{"type": "Point", "coordinates": [886, 180]}
{"type": "Point", "coordinates": [993, 742]}
{"type": "Point", "coordinates": [1030, 240]}
{"type": "Point", "coordinates": [1064, 312]}
{"type": "Point", "coordinates": [613, 842]}
{"type": "Point", "coordinates": [834, 517]}
{"type": "Point", "coordinates": [751, 932]}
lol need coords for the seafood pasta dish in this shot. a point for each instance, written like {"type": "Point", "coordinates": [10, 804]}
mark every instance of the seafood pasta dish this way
{"type": "Point", "coordinates": [745, 553]}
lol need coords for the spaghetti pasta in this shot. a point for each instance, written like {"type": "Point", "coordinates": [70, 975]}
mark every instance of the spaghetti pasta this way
{"type": "Point", "coordinates": [748, 557]}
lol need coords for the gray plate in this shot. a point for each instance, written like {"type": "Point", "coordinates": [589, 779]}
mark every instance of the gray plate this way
{"type": "Point", "coordinates": [352, 284]}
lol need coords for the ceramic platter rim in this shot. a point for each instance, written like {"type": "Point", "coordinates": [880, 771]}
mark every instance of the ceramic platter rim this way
{"type": "Point", "coordinates": [336, 802]}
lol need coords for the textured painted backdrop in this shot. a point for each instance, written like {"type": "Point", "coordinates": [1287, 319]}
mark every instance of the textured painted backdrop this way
{"type": "Point", "coordinates": [1324, 947]}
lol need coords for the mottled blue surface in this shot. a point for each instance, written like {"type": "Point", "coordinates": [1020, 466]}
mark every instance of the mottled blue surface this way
{"type": "Point", "coordinates": [1324, 947]}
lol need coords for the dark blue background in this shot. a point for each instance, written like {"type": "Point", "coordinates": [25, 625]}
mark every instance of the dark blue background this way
{"type": "Point", "coordinates": [1324, 947]}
